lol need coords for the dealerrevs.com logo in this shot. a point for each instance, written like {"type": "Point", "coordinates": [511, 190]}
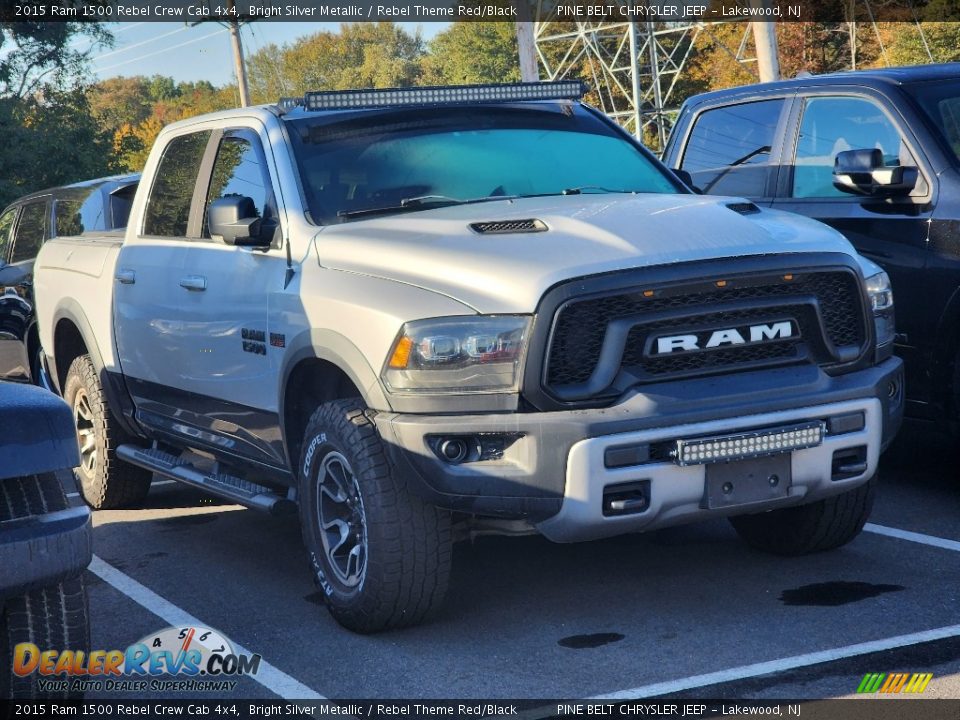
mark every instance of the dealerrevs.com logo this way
{"type": "Point", "coordinates": [174, 659]}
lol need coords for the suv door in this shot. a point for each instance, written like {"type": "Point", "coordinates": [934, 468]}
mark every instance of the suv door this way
{"type": "Point", "coordinates": [230, 359]}
{"type": "Point", "coordinates": [16, 302]}
{"type": "Point", "coordinates": [147, 293]}
{"type": "Point", "coordinates": [11, 354]}
{"type": "Point", "coordinates": [890, 231]}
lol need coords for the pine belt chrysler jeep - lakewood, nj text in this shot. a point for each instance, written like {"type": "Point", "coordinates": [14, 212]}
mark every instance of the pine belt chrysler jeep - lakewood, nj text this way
{"type": "Point", "coordinates": [413, 312]}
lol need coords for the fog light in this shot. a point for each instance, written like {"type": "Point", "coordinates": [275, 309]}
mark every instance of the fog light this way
{"type": "Point", "coordinates": [454, 450]}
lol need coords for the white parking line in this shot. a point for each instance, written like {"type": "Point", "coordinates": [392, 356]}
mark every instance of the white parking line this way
{"type": "Point", "coordinates": [273, 679]}
{"type": "Point", "coordinates": [783, 664]}
{"type": "Point", "coordinates": [931, 540]}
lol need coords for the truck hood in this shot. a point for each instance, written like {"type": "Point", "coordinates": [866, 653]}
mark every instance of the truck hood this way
{"type": "Point", "coordinates": [586, 234]}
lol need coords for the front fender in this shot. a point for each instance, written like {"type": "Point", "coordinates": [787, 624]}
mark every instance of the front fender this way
{"type": "Point", "coordinates": [36, 432]}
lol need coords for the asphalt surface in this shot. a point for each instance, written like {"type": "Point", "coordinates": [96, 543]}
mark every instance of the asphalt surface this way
{"type": "Point", "coordinates": [685, 612]}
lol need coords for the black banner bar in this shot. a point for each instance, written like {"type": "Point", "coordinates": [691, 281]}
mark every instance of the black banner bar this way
{"type": "Point", "coordinates": [479, 10]}
{"type": "Point", "coordinates": [866, 708]}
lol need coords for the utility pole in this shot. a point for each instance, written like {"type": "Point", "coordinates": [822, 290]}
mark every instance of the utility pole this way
{"type": "Point", "coordinates": [239, 65]}
{"type": "Point", "coordinates": [765, 38]}
{"type": "Point", "coordinates": [526, 45]}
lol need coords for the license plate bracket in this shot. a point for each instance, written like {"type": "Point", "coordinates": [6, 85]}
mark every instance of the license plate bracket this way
{"type": "Point", "coordinates": [743, 482]}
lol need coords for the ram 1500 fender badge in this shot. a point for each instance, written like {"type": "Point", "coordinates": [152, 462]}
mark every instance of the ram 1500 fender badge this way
{"type": "Point", "coordinates": [716, 339]}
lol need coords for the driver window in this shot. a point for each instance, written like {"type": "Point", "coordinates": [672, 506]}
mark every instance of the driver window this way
{"type": "Point", "coordinates": [240, 170]}
{"type": "Point", "coordinates": [831, 125]}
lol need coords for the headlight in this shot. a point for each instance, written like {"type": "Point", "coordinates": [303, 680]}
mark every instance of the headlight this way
{"type": "Point", "coordinates": [878, 288]}
{"type": "Point", "coordinates": [881, 300]}
{"type": "Point", "coordinates": [458, 355]}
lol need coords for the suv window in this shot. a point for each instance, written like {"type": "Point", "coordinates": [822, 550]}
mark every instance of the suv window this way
{"type": "Point", "coordinates": [78, 215]}
{"type": "Point", "coordinates": [168, 207]}
{"type": "Point", "coordinates": [240, 169]}
{"type": "Point", "coordinates": [729, 148]}
{"type": "Point", "coordinates": [6, 223]}
{"type": "Point", "coordinates": [29, 234]}
{"type": "Point", "coordinates": [831, 125]}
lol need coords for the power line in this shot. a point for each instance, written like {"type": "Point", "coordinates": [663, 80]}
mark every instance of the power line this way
{"type": "Point", "coordinates": [136, 45]}
{"type": "Point", "coordinates": [160, 52]}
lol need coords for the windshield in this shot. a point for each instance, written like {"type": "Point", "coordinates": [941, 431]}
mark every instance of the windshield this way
{"type": "Point", "coordinates": [353, 166]}
{"type": "Point", "coordinates": [940, 100]}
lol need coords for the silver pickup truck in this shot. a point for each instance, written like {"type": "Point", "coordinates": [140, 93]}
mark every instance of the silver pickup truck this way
{"type": "Point", "coordinates": [411, 314]}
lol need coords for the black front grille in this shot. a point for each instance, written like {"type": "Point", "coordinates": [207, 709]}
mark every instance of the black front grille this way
{"type": "Point", "coordinates": [581, 324]}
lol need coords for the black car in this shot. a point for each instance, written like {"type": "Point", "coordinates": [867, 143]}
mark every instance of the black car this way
{"type": "Point", "coordinates": [875, 154]}
{"type": "Point", "coordinates": [92, 206]}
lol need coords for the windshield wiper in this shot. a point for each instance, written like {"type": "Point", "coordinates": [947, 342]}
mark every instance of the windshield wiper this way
{"type": "Point", "coordinates": [598, 188]}
{"type": "Point", "coordinates": [420, 202]}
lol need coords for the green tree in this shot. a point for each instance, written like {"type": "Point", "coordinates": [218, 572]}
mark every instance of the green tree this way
{"type": "Point", "coordinates": [921, 43]}
{"type": "Point", "coordinates": [473, 52]}
{"type": "Point", "coordinates": [34, 55]}
{"type": "Point", "coordinates": [50, 140]}
{"type": "Point", "coordinates": [360, 55]}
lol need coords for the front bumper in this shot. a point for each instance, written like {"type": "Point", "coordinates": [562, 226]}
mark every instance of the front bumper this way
{"type": "Point", "coordinates": [41, 550]}
{"type": "Point", "coordinates": [552, 470]}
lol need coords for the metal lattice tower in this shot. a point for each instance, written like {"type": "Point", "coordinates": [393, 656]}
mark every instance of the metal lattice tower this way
{"type": "Point", "coordinates": [634, 67]}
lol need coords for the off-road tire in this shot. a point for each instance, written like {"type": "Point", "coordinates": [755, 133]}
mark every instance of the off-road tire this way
{"type": "Point", "coordinates": [52, 618]}
{"type": "Point", "coordinates": [109, 483]}
{"type": "Point", "coordinates": [408, 542]}
{"type": "Point", "coordinates": [823, 525]}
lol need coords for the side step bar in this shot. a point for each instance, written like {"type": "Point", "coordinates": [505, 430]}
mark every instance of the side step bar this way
{"type": "Point", "coordinates": [242, 492]}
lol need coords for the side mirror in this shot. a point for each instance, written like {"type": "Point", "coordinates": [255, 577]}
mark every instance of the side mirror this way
{"type": "Point", "coordinates": [234, 218]}
{"type": "Point", "coordinates": [687, 179]}
{"type": "Point", "coordinates": [862, 172]}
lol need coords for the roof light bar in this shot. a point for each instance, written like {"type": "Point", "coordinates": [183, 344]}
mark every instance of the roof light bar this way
{"type": "Point", "coordinates": [439, 95]}
{"type": "Point", "coordinates": [749, 445]}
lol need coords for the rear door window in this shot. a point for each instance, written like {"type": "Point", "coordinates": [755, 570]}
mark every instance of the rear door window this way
{"type": "Point", "coordinates": [169, 203]}
{"type": "Point", "coordinates": [30, 232]}
{"type": "Point", "coordinates": [6, 225]}
{"type": "Point", "coordinates": [729, 149]}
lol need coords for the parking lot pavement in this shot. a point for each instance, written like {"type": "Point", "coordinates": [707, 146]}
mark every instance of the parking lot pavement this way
{"type": "Point", "coordinates": [688, 611]}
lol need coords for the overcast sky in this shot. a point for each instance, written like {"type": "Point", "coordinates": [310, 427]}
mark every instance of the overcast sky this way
{"type": "Point", "coordinates": [201, 52]}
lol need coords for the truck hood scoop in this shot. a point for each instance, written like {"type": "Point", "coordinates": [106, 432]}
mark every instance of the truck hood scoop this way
{"type": "Point", "coordinates": [508, 227]}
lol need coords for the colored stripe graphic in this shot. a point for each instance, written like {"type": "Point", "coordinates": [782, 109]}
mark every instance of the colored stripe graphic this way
{"type": "Point", "coordinates": [918, 682]}
{"type": "Point", "coordinates": [894, 683]}
{"type": "Point", "coordinates": [871, 682]}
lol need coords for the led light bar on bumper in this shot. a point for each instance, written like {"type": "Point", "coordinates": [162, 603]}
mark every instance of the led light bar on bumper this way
{"type": "Point", "coordinates": [458, 355]}
{"type": "Point", "coordinates": [440, 95]}
{"type": "Point", "coordinates": [749, 445]}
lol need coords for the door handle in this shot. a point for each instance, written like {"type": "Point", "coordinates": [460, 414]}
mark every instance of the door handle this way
{"type": "Point", "coordinates": [197, 283]}
{"type": "Point", "coordinates": [125, 277]}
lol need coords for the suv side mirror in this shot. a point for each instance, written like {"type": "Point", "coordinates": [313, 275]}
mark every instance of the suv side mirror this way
{"type": "Point", "coordinates": [862, 172]}
{"type": "Point", "coordinates": [234, 218]}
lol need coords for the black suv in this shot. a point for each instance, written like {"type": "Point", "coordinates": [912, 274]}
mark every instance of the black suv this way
{"type": "Point", "coordinates": [875, 154]}
{"type": "Point", "coordinates": [91, 206]}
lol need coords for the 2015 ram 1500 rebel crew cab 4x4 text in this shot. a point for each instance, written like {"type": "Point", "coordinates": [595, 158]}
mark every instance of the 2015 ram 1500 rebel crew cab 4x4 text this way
{"type": "Point", "coordinates": [405, 311]}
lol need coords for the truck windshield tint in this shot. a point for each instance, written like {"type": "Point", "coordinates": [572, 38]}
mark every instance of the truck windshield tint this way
{"type": "Point", "coordinates": [941, 103]}
{"type": "Point", "coordinates": [353, 165]}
